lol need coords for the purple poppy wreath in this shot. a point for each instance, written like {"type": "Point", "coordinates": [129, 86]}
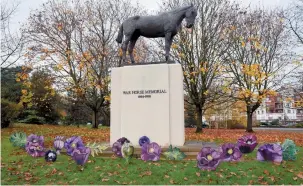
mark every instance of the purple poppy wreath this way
{"type": "Point", "coordinates": [247, 143]}
{"type": "Point", "coordinates": [116, 148]}
{"type": "Point", "coordinates": [143, 139]}
{"type": "Point", "coordinates": [230, 152]}
{"type": "Point", "coordinates": [208, 158]}
{"type": "Point", "coordinates": [81, 155]}
{"type": "Point", "coordinates": [35, 145]}
{"type": "Point", "coordinates": [150, 152]}
{"type": "Point", "coordinates": [270, 152]}
{"type": "Point", "coordinates": [73, 143]}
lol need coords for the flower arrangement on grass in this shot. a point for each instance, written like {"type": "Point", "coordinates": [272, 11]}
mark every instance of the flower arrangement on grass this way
{"type": "Point", "coordinates": [80, 155]}
{"type": "Point", "coordinates": [143, 139]}
{"type": "Point", "coordinates": [230, 152]}
{"type": "Point", "coordinates": [150, 152]}
{"type": "Point", "coordinates": [18, 139]}
{"type": "Point", "coordinates": [116, 148]}
{"type": "Point", "coordinates": [50, 156]}
{"type": "Point", "coordinates": [208, 158]}
{"type": "Point", "coordinates": [270, 152]}
{"type": "Point", "coordinates": [174, 153]}
{"type": "Point", "coordinates": [73, 143]}
{"type": "Point", "coordinates": [35, 145]}
{"type": "Point", "coordinates": [289, 150]}
{"type": "Point", "coordinates": [127, 151]}
{"type": "Point", "coordinates": [247, 143]}
{"type": "Point", "coordinates": [58, 144]}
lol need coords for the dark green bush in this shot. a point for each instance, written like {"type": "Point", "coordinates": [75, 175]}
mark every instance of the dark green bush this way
{"type": "Point", "coordinates": [299, 125]}
{"type": "Point", "coordinates": [9, 111]}
{"type": "Point", "coordinates": [275, 122]}
{"type": "Point", "coordinates": [30, 116]}
{"type": "Point", "coordinates": [33, 119]}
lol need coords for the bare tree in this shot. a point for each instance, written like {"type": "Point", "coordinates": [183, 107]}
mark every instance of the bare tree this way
{"type": "Point", "coordinates": [295, 19]}
{"type": "Point", "coordinates": [259, 57]}
{"type": "Point", "coordinates": [11, 43]}
{"type": "Point", "coordinates": [78, 40]}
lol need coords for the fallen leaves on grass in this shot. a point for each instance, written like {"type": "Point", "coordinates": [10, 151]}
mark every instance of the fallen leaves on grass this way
{"type": "Point", "coordinates": [228, 135]}
{"type": "Point", "coordinates": [300, 175]}
{"type": "Point", "coordinates": [198, 174]}
{"type": "Point", "coordinates": [105, 179]}
{"type": "Point", "coordinates": [103, 134]}
{"type": "Point", "coordinates": [146, 173]}
{"type": "Point", "coordinates": [266, 172]}
{"type": "Point", "coordinates": [172, 181]}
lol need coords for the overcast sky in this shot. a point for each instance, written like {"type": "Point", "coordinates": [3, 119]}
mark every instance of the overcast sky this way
{"type": "Point", "coordinates": [27, 5]}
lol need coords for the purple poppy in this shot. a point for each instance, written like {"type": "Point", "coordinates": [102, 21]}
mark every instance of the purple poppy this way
{"type": "Point", "coordinates": [208, 158]}
{"type": "Point", "coordinates": [247, 143]}
{"type": "Point", "coordinates": [270, 152]}
{"type": "Point", "coordinates": [150, 151]}
{"type": "Point", "coordinates": [116, 148]}
{"type": "Point", "coordinates": [81, 154]}
{"type": "Point", "coordinates": [230, 152]}
{"type": "Point", "coordinates": [58, 143]}
{"type": "Point", "coordinates": [143, 139]}
{"type": "Point", "coordinates": [73, 143]}
{"type": "Point", "coordinates": [35, 145]}
{"type": "Point", "coordinates": [123, 140]}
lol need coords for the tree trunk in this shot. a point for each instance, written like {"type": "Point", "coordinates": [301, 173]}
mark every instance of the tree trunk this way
{"type": "Point", "coordinates": [199, 119]}
{"type": "Point", "coordinates": [95, 119]}
{"type": "Point", "coordinates": [249, 120]}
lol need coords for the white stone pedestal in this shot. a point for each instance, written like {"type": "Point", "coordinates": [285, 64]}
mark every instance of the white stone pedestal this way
{"type": "Point", "coordinates": [147, 100]}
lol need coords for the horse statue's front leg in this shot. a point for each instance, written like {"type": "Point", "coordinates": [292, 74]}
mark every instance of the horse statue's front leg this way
{"type": "Point", "coordinates": [168, 42]}
{"type": "Point", "coordinates": [124, 48]}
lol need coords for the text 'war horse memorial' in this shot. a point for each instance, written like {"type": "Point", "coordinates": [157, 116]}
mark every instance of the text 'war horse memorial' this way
{"type": "Point", "coordinates": [148, 100]}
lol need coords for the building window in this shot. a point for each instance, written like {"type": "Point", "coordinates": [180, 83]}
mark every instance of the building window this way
{"type": "Point", "coordinates": [262, 112]}
{"type": "Point", "coordinates": [288, 111]}
{"type": "Point", "coordinates": [258, 112]}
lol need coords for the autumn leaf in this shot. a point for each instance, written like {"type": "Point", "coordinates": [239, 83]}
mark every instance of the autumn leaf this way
{"type": "Point", "coordinates": [266, 172]}
{"type": "Point", "coordinates": [185, 178]}
{"type": "Point", "coordinates": [300, 175]}
{"type": "Point", "coordinates": [172, 181]}
{"type": "Point", "coordinates": [54, 171]}
{"type": "Point", "coordinates": [166, 176]}
{"type": "Point", "coordinates": [242, 43]}
{"type": "Point", "coordinates": [198, 174]}
{"type": "Point", "coordinates": [146, 173]}
{"type": "Point", "coordinates": [105, 179]}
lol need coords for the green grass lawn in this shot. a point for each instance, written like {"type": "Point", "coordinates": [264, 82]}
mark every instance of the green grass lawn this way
{"type": "Point", "coordinates": [19, 168]}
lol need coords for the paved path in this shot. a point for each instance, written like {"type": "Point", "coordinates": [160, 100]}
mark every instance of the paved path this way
{"type": "Point", "coordinates": [281, 129]}
{"type": "Point", "coordinates": [201, 143]}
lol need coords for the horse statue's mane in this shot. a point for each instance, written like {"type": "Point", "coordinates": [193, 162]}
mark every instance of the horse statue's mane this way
{"type": "Point", "coordinates": [177, 10]}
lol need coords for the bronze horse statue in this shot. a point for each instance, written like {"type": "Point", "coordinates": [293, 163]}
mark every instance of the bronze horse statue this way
{"type": "Point", "coordinates": [165, 25]}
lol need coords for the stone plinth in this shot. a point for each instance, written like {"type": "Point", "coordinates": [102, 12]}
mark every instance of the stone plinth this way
{"type": "Point", "coordinates": [148, 100]}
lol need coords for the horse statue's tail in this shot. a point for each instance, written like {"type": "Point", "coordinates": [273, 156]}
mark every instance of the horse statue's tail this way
{"type": "Point", "coordinates": [120, 34]}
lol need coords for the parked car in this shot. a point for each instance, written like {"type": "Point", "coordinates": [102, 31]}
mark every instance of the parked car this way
{"type": "Point", "coordinates": [205, 124]}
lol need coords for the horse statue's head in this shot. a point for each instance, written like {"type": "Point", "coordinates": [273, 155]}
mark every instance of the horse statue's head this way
{"type": "Point", "coordinates": [190, 16]}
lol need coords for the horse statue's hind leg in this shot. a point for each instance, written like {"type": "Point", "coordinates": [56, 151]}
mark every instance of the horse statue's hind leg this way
{"type": "Point", "coordinates": [131, 48]}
